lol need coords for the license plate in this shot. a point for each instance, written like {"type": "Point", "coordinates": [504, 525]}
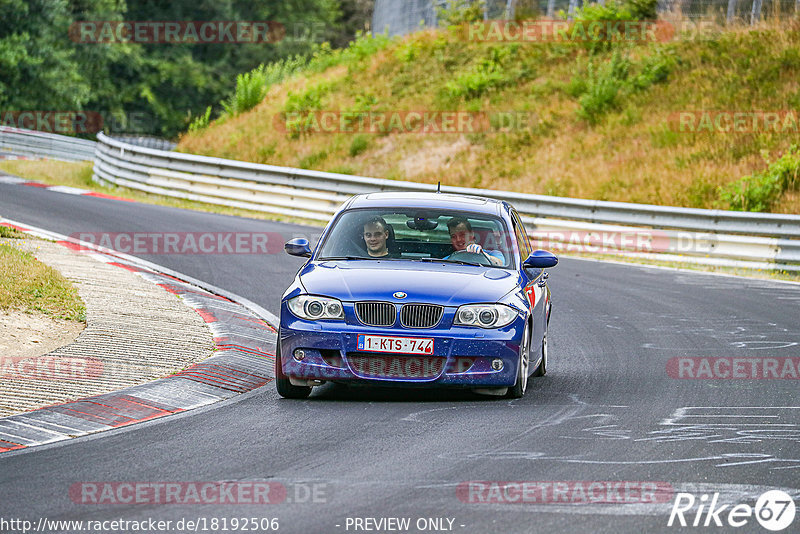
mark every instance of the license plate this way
{"type": "Point", "coordinates": [397, 345]}
{"type": "Point", "coordinates": [406, 367]}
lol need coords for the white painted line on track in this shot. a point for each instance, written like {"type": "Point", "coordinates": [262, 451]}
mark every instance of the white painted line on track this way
{"type": "Point", "coordinates": [68, 190]}
{"type": "Point", "coordinates": [682, 270]}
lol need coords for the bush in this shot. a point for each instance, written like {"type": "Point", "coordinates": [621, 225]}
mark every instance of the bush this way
{"type": "Point", "coordinates": [407, 52]}
{"type": "Point", "coordinates": [312, 160]}
{"type": "Point", "coordinates": [475, 82]}
{"type": "Point", "coordinates": [760, 191]}
{"type": "Point", "coordinates": [266, 152]}
{"type": "Point", "coordinates": [250, 90]}
{"type": "Point", "coordinates": [602, 88]}
{"type": "Point", "coordinates": [655, 69]}
{"type": "Point", "coordinates": [342, 169]}
{"type": "Point", "coordinates": [364, 102]}
{"type": "Point", "coordinates": [310, 100]}
{"type": "Point", "coordinates": [487, 74]}
{"type": "Point", "coordinates": [618, 10]}
{"type": "Point", "coordinates": [527, 10]}
{"type": "Point", "coordinates": [359, 144]}
{"type": "Point", "coordinates": [643, 9]}
{"type": "Point", "coordinates": [278, 71]}
{"type": "Point", "coordinates": [251, 87]}
{"type": "Point", "coordinates": [613, 10]}
{"type": "Point", "coordinates": [362, 47]}
{"type": "Point", "coordinates": [201, 121]}
{"type": "Point", "coordinates": [456, 12]}
{"type": "Point", "coordinates": [365, 45]}
{"type": "Point", "coordinates": [303, 104]}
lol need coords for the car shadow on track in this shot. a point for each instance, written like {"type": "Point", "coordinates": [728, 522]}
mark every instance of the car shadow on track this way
{"type": "Point", "coordinates": [353, 393]}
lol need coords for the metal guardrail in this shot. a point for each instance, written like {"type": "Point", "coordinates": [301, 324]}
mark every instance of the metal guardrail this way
{"type": "Point", "coordinates": [760, 240]}
{"type": "Point", "coordinates": [146, 141]}
{"type": "Point", "coordinates": [36, 144]}
{"type": "Point", "coordinates": [717, 237]}
{"type": "Point", "coordinates": [30, 143]}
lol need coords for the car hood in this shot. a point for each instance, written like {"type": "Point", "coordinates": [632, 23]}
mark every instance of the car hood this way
{"type": "Point", "coordinates": [446, 284]}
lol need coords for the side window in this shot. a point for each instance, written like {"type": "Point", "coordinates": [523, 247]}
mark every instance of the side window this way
{"type": "Point", "coordinates": [522, 236]}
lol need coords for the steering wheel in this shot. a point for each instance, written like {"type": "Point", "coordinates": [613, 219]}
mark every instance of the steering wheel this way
{"type": "Point", "coordinates": [462, 255]}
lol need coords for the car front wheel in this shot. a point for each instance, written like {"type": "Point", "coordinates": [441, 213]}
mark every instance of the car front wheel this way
{"type": "Point", "coordinates": [518, 390]}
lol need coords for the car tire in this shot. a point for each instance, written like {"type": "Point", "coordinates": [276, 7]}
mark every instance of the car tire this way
{"type": "Point", "coordinates": [282, 384]}
{"type": "Point", "coordinates": [541, 370]}
{"type": "Point", "coordinates": [518, 389]}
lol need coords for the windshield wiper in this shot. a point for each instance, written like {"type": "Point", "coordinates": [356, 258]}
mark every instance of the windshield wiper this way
{"type": "Point", "coordinates": [459, 262]}
{"type": "Point", "coordinates": [338, 258]}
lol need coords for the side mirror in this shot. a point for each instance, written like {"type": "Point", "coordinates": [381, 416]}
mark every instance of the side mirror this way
{"type": "Point", "coordinates": [540, 259]}
{"type": "Point", "coordinates": [298, 246]}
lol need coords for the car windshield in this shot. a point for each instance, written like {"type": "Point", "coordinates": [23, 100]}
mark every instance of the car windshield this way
{"type": "Point", "coordinates": [432, 235]}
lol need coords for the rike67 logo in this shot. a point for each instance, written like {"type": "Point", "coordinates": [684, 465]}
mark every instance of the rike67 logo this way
{"type": "Point", "coordinates": [774, 510]}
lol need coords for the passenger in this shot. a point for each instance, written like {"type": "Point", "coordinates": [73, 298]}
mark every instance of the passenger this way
{"type": "Point", "coordinates": [463, 239]}
{"type": "Point", "coordinates": [376, 236]}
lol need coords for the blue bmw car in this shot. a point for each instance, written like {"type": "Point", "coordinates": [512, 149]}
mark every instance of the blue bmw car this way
{"type": "Point", "coordinates": [417, 289]}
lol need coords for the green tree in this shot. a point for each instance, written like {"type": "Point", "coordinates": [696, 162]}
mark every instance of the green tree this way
{"type": "Point", "coordinates": [39, 69]}
{"type": "Point", "coordinates": [42, 68]}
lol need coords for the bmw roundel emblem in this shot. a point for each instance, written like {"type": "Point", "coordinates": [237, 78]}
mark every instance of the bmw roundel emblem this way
{"type": "Point", "coordinates": [399, 295]}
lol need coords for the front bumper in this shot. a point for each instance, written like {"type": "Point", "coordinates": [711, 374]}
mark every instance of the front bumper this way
{"type": "Point", "coordinates": [462, 356]}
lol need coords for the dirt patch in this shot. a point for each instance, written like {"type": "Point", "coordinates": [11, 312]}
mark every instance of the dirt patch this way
{"type": "Point", "coordinates": [435, 159]}
{"type": "Point", "coordinates": [27, 335]}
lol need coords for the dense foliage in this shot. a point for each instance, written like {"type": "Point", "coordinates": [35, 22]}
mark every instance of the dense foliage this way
{"type": "Point", "coordinates": [621, 121]}
{"type": "Point", "coordinates": [149, 88]}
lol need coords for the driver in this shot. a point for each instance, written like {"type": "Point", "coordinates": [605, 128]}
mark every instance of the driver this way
{"type": "Point", "coordinates": [376, 236]}
{"type": "Point", "coordinates": [463, 239]}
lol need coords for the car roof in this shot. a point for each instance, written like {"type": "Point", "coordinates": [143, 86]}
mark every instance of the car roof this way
{"type": "Point", "coordinates": [426, 200]}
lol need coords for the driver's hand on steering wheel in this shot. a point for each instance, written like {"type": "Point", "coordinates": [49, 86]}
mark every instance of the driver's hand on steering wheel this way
{"type": "Point", "coordinates": [477, 249]}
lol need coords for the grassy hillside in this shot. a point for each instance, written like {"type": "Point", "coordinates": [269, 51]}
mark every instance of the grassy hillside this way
{"type": "Point", "coordinates": [605, 120]}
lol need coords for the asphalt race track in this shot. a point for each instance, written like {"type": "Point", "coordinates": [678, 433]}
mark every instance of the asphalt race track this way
{"type": "Point", "coordinates": [608, 410]}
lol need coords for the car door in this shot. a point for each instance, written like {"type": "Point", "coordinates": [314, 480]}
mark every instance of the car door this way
{"type": "Point", "coordinates": [535, 286]}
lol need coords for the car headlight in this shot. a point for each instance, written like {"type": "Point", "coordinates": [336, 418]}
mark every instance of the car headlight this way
{"type": "Point", "coordinates": [311, 308]}
{"type": "Point", "coordinates": [485, 315]}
